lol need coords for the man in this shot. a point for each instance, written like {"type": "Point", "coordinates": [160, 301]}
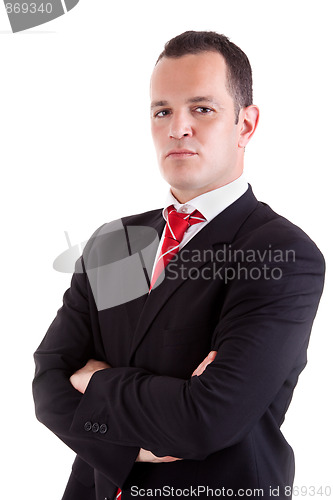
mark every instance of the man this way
{"type": "Point", "coordinates": [173, 378]}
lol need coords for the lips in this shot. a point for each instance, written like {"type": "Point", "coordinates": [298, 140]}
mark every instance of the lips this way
{"type": "Point", "coordinates": [180, 153]}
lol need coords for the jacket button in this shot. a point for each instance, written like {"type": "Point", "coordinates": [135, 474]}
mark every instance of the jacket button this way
{"type": "Point", "coordinates": [103, 428]}
{"type": "Point", "coordinates": [87, 426]}
{"type": "Point", "coordinates": [95, 427]}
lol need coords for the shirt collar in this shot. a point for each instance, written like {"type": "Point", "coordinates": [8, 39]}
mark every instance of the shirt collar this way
{"type": "Point", "coordinates": [212, 203]}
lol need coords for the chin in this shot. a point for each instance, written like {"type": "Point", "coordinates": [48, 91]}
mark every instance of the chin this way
{"type": "Point", "coordinates": [182, 182]}
{"type": "Point", "coordinates": [182, 186]}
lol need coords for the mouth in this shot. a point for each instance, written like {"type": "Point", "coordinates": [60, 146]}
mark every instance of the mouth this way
{"type": "Point", "coordinates": [180, 154]}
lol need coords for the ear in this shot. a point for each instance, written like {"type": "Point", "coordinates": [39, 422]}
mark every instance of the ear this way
{"type": "Point", "coordinates": [248, 121]}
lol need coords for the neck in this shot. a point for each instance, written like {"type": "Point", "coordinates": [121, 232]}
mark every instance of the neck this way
{"type": "Point", "coordinates": [183, 196]}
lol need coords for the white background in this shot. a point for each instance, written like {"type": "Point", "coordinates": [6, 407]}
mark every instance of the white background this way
{"type": "Point", "coordinates": [76, 152]}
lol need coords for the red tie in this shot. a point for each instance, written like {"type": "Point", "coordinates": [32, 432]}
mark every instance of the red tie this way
{"type": "Point", "coordinates": [176, 226]}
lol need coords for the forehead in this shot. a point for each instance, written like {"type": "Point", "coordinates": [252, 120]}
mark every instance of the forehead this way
{"type": "Point", "coordinates": [193, 74]}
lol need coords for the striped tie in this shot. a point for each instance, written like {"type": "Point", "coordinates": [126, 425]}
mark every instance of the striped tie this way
{"type": "Point", "coordinates": [176, 226]}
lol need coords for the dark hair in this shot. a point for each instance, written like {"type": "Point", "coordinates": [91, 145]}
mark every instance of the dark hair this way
{"type": "Point", "coordinates": [239, 73]}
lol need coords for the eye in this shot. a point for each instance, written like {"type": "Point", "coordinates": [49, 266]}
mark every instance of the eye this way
{"type": "Point", "coordinates": [162, 113]}
{"type": "Point", "coordinates": [203, 110]}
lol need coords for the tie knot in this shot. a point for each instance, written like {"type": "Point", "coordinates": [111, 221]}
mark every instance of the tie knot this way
{"type": "Point", "coordinates": [190, 218]}
{"type": "Point", "coordinates": [178, 222]}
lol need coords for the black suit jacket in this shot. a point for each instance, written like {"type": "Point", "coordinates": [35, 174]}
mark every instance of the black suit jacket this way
{"type": "Point", "coordinates": [247, 286]}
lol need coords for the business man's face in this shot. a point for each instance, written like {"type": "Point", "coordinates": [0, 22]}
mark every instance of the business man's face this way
{"type": "Point", "coordinates": [193, 124]}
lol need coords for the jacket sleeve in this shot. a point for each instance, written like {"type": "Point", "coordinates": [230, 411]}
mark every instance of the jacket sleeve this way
{"type": "Point", "coordinates": [66, 347]}
{"type": "Point", "coordinates": [264, 326]}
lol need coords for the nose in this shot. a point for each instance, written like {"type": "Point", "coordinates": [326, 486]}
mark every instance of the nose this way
{"type": "Point", "coordinates": [180, 126]}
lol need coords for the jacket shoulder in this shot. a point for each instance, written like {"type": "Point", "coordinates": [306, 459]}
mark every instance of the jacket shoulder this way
{"type": "Point", "coordinates": [266, 227]}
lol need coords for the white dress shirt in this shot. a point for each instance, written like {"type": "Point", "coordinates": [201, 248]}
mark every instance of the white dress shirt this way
{"type": "Point", "coordinates": [210, 204]}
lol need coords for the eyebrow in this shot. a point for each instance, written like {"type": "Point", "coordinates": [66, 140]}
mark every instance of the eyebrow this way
{"type": "Point", "coordinates": [191, 100]}
{"type": "Point", "coordinates": [158, 104]}
{"type": "Point", "coordinates": [205, 98]}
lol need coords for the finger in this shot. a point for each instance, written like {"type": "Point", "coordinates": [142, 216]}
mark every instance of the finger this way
{"type": "Point", "coordinates": [90, 363]}
{"type": "Point", "coordinates": [212, 355]}
{"type": "Point", "coordinates": [202, 367]}
{"type": "Point", "coordinates": [199, 369]}
{"type": "Point", "coordinates": [95, 365]}
{"type": "Point", "coordinates": [167, 459]}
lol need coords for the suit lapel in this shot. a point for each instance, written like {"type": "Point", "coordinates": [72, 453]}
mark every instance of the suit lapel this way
{"type": "Point", "coordinates": [156, 221]}
{"type": "Point", "coordinates": [222, 229]}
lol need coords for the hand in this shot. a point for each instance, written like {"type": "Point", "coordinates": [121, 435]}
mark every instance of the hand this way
{"type": "Point", "coordinates": [81, 378]}
{"type": "Point", "coordinates": [148, 456]}
{"type": "Point", "coordinates": [202, 367]}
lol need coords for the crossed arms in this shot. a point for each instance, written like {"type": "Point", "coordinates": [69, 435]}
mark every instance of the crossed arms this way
{"type": "Point", "coordinates": [81, 378]}
{"type": "Point", "coordinates": [261, 339]}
